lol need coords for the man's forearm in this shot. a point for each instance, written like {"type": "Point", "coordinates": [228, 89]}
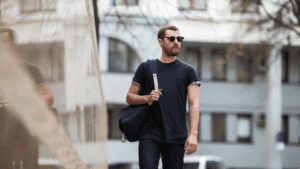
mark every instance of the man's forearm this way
{"type": "Point", "coordinates": [194, 118]}
{"type": "Point", "coordinates": [137, 99]}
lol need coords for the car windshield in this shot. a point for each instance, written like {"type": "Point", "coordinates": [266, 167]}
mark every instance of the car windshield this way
{"type": "Point", "coordinates": [190, 165]}
{"type": "Point", "coordinates": [214, 165]}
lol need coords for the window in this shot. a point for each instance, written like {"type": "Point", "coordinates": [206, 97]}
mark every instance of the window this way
{"type": "Point", "coordinates": [38, 5]}
{"type": "Point", "coordinates": [285, 67]}
{"type": "Point", "coordinates": [190, 165]}
{"type": "Point", "coordinates": [199, 5]}
{"type": "Point", "coordinates": [47, 58]}
{"type": "Point", "coordinates": [125, 2]}
{"type": "Point", "coordinates": [245, 69]}
{"type": "Point", "coordinates": [50, 65]}
{"type": "Point", "coordinates": [113, 124]}
{"type": "Point", "coordinates": [71, 124]}
{"type": "Point", "coordinates": [218, 127]}
{"type": "Point", "coordinates": [245, 6]}
{"type": "Point", "coordinates": [65, 122]}
{"type": "Point", "coordinates": [89, 121]}
{"type": "Point", "coordinates": [122, 58]}
{"type": "Point", "coordinates": [244, 128]}
{"type": "Point", "coordinates": [298, 61]}
{"type": "Point", "coordinates": [285, 127]}
{"type": "Point", "coordinates": [299, 130]}
{"type": "Point", "coordinates": [219, 65]}
{"type": "Point", "coordinates": [192, 57]}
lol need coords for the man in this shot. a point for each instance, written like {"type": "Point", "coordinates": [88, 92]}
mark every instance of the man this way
{"type": "Point", "coordinates": [18, 148]}
{"type": "Point", "coordinates": [164, 130]}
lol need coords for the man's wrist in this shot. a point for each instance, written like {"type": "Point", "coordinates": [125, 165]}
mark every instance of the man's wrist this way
{"type": "Point", "coordinates": [195, 133]}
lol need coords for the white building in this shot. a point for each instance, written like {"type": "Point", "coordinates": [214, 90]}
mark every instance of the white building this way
{"type": "Point", "coordinates": [55, 36]}
{"type": "Point", "coordinates": [231, 103]}
{"type": "Point", "coordinates": [232, 95]}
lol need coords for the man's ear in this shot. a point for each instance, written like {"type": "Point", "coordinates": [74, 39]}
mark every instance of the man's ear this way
{"type": "Point", "coordinates": [160, 41]}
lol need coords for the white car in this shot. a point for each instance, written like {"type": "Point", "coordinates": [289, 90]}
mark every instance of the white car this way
{"type": "Point", "coordinates": [48, 163]}
{"type": "Point", "coordinates": [201, 162]}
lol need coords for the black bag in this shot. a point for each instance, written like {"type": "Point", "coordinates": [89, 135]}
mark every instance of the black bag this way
{"type": "Point", "coordinates": [133, 116]}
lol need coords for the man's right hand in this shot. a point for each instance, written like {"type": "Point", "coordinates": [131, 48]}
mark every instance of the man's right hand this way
{"type": "Point", "coordinates": [154, 96]}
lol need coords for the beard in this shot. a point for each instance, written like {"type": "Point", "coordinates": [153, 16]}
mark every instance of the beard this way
{"type": "Point", "coordinates": [172, 51]}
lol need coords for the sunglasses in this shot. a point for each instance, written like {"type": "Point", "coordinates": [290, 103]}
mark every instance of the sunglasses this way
{"type": "Point", "coordinates": [172, 38]}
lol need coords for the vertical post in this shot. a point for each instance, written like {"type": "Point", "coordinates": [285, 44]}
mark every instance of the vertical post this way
{"type": "Point", "coordinates": [103, 128]}
{"type": "Point", "coordinates": [274, 107]}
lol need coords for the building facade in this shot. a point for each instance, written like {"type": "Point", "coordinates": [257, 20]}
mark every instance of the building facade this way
{"type": "Point", "coordinates": [54, 35]}
{"type": "Point", "coordinates": [233, 94]}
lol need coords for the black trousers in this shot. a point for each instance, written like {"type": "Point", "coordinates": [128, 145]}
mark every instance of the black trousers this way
{"type": "Point", "coordinates": [150, 150]}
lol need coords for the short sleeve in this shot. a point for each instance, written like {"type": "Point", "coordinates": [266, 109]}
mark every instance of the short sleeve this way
{"type": "Point", "coordinates": [139, 75]}
{"type": "Point", "coordinates": [192, 77]}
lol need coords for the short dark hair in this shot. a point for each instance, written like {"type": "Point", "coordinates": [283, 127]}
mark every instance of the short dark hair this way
{"type": "Point", "coordinates": [12, 34]}
{"type": "Point", "coordinates": [162, 30]}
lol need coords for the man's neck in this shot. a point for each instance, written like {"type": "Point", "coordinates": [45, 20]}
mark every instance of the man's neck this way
{"type": "Point", "coordinates": [167, 59]}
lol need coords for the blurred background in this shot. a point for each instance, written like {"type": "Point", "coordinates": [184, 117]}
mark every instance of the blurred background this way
{"type": "Point", "coordinates": [246, 54]}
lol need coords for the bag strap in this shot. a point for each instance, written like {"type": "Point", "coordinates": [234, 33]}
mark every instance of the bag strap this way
{"type": "Point", "coordinates": [153, 68]}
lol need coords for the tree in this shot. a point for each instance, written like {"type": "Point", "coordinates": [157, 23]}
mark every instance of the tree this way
{"type": "Point", "coordinates": [279, 17]}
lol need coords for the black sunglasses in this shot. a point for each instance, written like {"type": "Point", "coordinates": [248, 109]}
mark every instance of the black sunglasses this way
{"type": "Point", "coordinates": [172, 38]}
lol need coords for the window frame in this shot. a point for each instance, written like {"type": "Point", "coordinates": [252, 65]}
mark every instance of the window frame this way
{"type": "Point", "coordinates": [90, 114]}
{"type": "Point", "coordinates": [213, 116]}
{"type": "Point", "coordinates": [285, 127]}
{"type": "Point", "coordinates": [124, 2]}
{"type": "Point", "coordinates": [299, 130]}
{"type": "Point", "coordinates": [199, 58]}
{"type": "Point", "coordinates": [65, 121]}
{"type": "Point", "coordinates": [245, 10]}
{"type": "Point", "coordinates": [249, 63]}
{"type": "Point", "coordinates": [249, 139]}
{"type": "Point", "coordinates": [298, 64]}
{"type": "Point", "coordinates": [214, 53]}
{"type": "Point", "coordinates": [285, 55]}
{"type": "Point", "coordinates": [53, 53]}
{"type": "Point", "coordinates": [191, 6]}
{"type": "Point", "coordinates": [130, 57]}
{"type": "Point", "coordinates": [113, 113]}
{"type": "Point", "coordinates": [39, 9]}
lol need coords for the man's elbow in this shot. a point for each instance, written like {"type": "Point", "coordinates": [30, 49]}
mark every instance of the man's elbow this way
{"type": "Point", "coordinates": [127, 99]}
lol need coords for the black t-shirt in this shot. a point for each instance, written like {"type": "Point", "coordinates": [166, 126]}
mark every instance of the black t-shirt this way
{"type": "Point", "coordinates": [166, 119]}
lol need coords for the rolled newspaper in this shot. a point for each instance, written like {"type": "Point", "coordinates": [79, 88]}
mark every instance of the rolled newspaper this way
{"type": "Point", "coordinates": [155, 81]}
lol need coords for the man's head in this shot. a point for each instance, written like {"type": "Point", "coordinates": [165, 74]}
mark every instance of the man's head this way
{"type": "Point", "coordinates": [8, 34]}
{"type": "Point", "coordinates": [170, 40]}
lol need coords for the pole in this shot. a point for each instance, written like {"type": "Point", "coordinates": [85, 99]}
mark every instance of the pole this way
{"type": "Point", "coordinates": [103, 109]}
{"type": "Point", "coordinates": [274, 107]}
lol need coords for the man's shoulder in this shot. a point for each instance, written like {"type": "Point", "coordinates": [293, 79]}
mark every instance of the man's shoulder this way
{"type": "Point", "coordinates": [146, 64]}
{"type": "Point", "coordinates": [183, 64]}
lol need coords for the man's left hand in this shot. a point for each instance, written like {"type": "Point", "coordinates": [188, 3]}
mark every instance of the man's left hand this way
{"type": "Point", "coordinates": [191, 142]}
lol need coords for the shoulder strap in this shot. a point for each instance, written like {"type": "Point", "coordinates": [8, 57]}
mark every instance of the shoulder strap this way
{"type": "Point", "coordinates": [153, 68]}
